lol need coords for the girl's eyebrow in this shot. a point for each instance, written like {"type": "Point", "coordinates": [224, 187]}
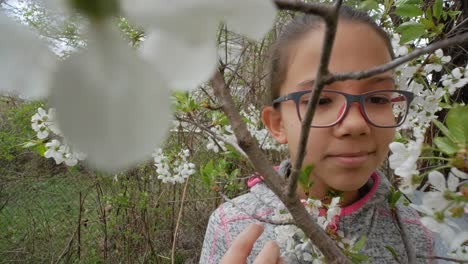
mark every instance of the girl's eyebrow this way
{"type": "Point", "coordinates": [377, 79]}
{"type": "Point", "coordinates": [308, 84]}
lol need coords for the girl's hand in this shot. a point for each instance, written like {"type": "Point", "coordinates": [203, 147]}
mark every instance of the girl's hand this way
{"type": "Point", "coordinates": [241, 247]}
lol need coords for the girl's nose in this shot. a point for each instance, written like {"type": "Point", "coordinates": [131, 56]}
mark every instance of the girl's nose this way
{"type": "Point", "coordinates": [353, 123]}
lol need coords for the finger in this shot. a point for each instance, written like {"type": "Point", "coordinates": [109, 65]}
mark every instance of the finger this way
{"type": "Point", "coordinates": [281, 261]}
{"type": "Point", "coordinates": [242, 245]}
{"type": "Point", "coordinates": [269, 254]}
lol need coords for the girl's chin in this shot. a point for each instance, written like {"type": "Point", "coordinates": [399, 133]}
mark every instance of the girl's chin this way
{"type": "Point", "coordinates": [348, 181]}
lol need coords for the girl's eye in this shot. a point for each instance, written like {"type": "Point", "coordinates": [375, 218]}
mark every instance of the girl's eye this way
{"type": "Point", "coordinates": [378, 100]}
{"type": "Point", "coordinates": [324, 101]}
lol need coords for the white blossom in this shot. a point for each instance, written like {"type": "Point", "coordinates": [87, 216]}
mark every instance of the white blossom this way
{"type": "Point", "coordinates": [334, 209]}
{"type": "Point", "coordinates": [399, 50]}
{"type": "Point", "coordinates": [44, 123]}
{"type": "Point", "coordinates": [106, 99]}
{"type": "Point", "coordinates": [403, 161]}
{"type": "Point", "coordinates": [26, 61]}
{"type": "Point", "coordinates": [403, 158]}
{"type": "Point", "coordinates": [439, 61]}
{"type": "Point", "coordinates": [175, 170]}
{"type": "Point", "coordinates": [451, 234]}
{"type": "Point", "coordinates": [106, 96]}
{"type": "Point", "coordinates": [63, 153]}
{"type": "Point", "coordinates": [215, 146]}
{"type": "Point", "coordinates": [454, 80]}
{"type": "Point", "coordinates": [182, 33]}
{"type": "Point", "coordinates": [458, 173]}
{"type": "Point", "coordinates": [439, 206]}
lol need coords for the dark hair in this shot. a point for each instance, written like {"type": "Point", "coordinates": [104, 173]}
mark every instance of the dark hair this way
{"type": "Point", "coordinates": [295, 30]}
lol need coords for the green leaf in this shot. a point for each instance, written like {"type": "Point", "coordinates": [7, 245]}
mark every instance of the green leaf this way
{"type": "Point", "coordinates": [304, 179]}
{"type": "Point", "coordinates": [393, 252]}
{"type": "Point", "coordinates": [395, 195]}
{"type": "Point", "coordinates": [446, 145]}
{"type": "Point", "coordinates": [410, 31]}
{"type": "Point", "coordinates": [369, 5]}
{"type": "Point", "coordinates": [407, 2]}
{"type": "Point", "coordinates": [41, 149]}
{"type": "Point", "coordinates": [408, 10]}
{"type": "Point", "coordinates": [359, 244]}
{"type": "Point", "coordinates": [437, 9]}
{"type": "Point", "coordinates": [453, 13]}
{"type": "Point", "coordinates": [428, 23]}
{"type": "Point", "coordinates": [206, 172]}
{"type": "Point", "coordinates": [357, 258]}
{"type": "Point", "coordinates": [457, 123]}
{"type": "Point", "coordinates": [444, 130]}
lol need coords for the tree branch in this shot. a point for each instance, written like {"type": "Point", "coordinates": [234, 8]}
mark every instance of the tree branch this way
{"type": "Point", "coordinates": [245, 140]}
{"type": "Point", "coordinates": [308, 8]}
{"type": "Point", "coordinates": [397, 62]}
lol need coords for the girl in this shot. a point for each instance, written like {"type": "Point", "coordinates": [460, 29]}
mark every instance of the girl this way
{"type": "Point", "coordinates": [353, 125]}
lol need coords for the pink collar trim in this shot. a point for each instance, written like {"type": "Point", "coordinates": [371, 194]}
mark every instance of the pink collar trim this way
{"type": "Point", "coordinates": [347, 210]}
{"type": "Point", "coordinates": [255, 179]}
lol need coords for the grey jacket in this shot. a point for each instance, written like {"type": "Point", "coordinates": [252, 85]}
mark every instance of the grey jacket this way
{"type": "Point", "coordinates": [370, 216]}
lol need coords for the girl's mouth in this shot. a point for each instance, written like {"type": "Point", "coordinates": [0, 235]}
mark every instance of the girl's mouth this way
{"type": "Point", "coordinates": [351, 160]}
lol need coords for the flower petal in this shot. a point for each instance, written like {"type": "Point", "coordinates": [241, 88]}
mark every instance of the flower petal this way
{"type": "Point", "coordinates": [184, 65]}
{"type": "Point", "coordinates": [437, 179]}
{"type": "Point", "coordinates": [110, 104]}
{"type": "Point", "coordinates": [195, 19]}
{"type": "Point", "coordinates": [460, 174]}
{"type": "Point", "coordinates": [447, 234]}
{"type": "Point", "coordinates": [252, 18]}
{"type": "Point", "coordinates": [25, 63]}
{"type": "Point", "coordinates": [458, 240]}
{"type": "Point", "coordinates": [192, 20]}
{"type": "Point", "coordinates": [452, 182]}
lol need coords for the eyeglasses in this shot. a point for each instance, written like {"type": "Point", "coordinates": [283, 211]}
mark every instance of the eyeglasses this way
{"type": "Point", "coordinates": [383, 108]}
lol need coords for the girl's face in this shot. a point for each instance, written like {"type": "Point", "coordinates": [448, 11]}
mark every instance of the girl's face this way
{"type": "Point", "coordinates": [345, 155]}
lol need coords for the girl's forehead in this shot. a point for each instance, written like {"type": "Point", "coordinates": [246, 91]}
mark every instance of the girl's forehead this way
{"type": "Point", "coordinates": [357, 47]}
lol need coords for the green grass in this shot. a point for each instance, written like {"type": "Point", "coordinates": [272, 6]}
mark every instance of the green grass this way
{"type": "Point", "coordinates": [39, 222]}
{"type": "Point", "coordinates": [40, 217]}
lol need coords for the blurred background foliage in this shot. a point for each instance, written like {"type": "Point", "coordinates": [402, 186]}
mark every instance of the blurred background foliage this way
{"type": "Point", "coordinates": [52, 213]}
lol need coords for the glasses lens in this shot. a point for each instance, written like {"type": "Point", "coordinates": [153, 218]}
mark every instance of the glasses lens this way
{"type": "Point", "coordinates": [386, 108]}
{"type": "Point", "coordinates": [329, 109]}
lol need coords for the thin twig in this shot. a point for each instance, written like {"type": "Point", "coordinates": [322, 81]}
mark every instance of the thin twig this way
{"type": "Point", "coordinates": [463, 38]}
{"type": "Point", "coordinates": [443, 258]}
{"type": "Point", "coordinates": [67, 248]}
{"type": "Point", "coordinates": [256, 217]}
{"type": "Point", "coordinates": [331, 24]}
{"type": "Point", "coordinates": [179, 217]}
{"type": "Point", "coordinates": [236, 70]}
{"type": "Point", "coordinates": [216, 136]}
{"type": "Point", "coordinates": [103, 216]}
{"type": "Point", "coordinates": [453, 30]}
{"type": "Point", "coordinates": [79, 225]}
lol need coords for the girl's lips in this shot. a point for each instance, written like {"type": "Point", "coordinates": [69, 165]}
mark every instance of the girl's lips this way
{"type": "Point", "coordinates": [350, 160]}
